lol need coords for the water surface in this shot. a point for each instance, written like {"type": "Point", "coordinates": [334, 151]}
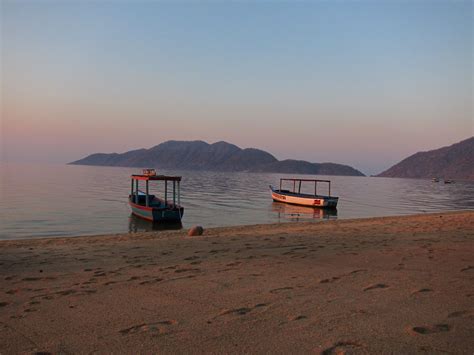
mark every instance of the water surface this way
{"type": "Point", "coordinates": [69, 200]}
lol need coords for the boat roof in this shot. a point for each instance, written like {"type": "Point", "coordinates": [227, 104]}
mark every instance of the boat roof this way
{"type": "Point", "coordinates": [156, 177]}
{"type": "Point", "coordinates": [312, 180]}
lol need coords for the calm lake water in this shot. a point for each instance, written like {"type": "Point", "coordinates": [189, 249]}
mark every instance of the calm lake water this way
{"type": "Point", "coordinates": [67, 200]}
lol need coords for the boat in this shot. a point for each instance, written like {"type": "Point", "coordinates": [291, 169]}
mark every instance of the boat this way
{"type": "Point", "coordinates": [448, 181]}
{"type": "Point", "coordinates": [435, 179]}
{"type": "Point", "coordinates": [152, 208]}
{"type": "Point", "coordinates": [295, 197]}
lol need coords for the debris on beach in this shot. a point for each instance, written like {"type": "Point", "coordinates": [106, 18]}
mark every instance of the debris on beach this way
{"type": "Point", "coordinates": [196, 230]}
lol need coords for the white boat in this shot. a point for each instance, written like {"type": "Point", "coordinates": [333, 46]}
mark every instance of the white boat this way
{"type": "Point", "coordinates": [295, 197]}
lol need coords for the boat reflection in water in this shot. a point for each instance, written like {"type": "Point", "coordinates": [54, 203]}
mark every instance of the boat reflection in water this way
{"type": "Point", "coordinates": [300, 213]}
{"type": "Point", "coordinates": [137, 224]}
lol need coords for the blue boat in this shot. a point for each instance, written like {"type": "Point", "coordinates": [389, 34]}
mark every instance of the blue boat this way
{"type": "Point", "coordinates": [152, 208]}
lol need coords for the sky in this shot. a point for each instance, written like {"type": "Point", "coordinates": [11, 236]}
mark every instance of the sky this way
{"type": "Point", "coordinates": [364, 83]}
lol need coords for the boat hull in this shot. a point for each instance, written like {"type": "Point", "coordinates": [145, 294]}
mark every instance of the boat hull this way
{"type": "Point", "coordinates": [304, 200]}
{"type": "Point", "coordinates": [174, 214]}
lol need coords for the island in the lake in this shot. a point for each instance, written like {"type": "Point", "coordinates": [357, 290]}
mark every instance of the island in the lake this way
{"type": "Point", "coordinates": [220, 156]}
{"type": "Point", "coordinates": [452, 162]}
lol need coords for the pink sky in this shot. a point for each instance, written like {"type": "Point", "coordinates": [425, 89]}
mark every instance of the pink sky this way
{"type": "Point", "coordinates": [363, 84]}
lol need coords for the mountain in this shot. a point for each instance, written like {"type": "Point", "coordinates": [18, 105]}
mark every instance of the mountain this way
{"type": "Point", "coordinates": [220, 156]}
{"type": "Point", "coordinates": [453, 162]}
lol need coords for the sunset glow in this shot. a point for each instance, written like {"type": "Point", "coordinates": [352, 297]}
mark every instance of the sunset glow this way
{"type": "Point", "coordinates": [360, 83]}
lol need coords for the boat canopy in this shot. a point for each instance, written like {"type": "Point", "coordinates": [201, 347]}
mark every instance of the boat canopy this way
{"type": "Point", "coordinates": [299, 181]}
{"type": "Point", "coordinates": [156, 177]}
{"type": "Point", "coordinates": [149, 175]}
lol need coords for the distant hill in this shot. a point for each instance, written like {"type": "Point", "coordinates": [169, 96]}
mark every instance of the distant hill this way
{"type": "Point", "coordinates": [453, 162]}
{"type": "Point", "coordinates": [220, 156]}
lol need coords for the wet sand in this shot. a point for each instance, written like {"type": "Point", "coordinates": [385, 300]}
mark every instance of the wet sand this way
{"type": "Point", "coordinates": [393, 284]}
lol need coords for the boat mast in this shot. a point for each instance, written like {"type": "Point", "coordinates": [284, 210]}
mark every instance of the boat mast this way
{"type": "Point", "coordinates": [136, 191]}
{"type": "Point", "coordinates": [146, 197]}
{"type": "Point", "coordinates": [174, 192]}
{"type": "Point", "coordinates": [179, 194]}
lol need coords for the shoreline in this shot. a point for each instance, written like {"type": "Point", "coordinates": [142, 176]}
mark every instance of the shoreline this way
{"type": "Point", "coordinates": [183, 232]}
{"type": "Point", "coordinates": [402, 284]}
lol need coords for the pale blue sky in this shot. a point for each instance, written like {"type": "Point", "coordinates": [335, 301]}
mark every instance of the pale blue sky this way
{"type": "Point", "coordinates": [364, 83]}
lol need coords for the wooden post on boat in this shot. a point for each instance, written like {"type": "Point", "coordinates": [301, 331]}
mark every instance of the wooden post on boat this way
{"type": "Point", "coordinates": [329, 188]}
{"type": "Point", "coordinates": [146, 197]}
{"type": "Point", "coordinates": [136, 192]}
{"type": "Point", "coordinates": [166, 192]}
{"type": "Point", "coordinates": [294, 186]}
{"type": "Point", "coordinates": [179, 194]}
{"type": "Point", "coordinates": [315, 188]}
{"type": "Point", "coordinates": [174, 192]}
{"type": "Point", "coordinates": [299, 188]}
{"type": "Point", "coordinates": [131, 190]}
{"type": "Point", "coordinates": [280, 184]}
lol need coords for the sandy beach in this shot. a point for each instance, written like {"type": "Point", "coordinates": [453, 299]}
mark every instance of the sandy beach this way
{"type": "Point", "coordinates": [379, 285]}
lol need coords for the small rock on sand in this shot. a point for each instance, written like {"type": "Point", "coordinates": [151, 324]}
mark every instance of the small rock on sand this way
{"type": "Point", "coordinates": [196, 230]}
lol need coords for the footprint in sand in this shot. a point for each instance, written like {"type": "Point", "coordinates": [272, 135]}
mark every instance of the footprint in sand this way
{"type": "Point", "coordinates": [467, 268]}
{"type": "Point", "coordinates": [160, 327]}
{"type": "Point", "coordinates": [357, 271]}
{"type": "Point", "coordinates": [241, 311]}
{"type": "Point", "coordinates": [421, 290]}
{"type": "Point", "coordinates": [29, 310]}
{"type": "Point", "coordinates": [215, 251]}
{"type": "Point", "coordinates": [236, 263]}
{"type": "Point", "coordinates": [31, 279]}
{"type": "Point", "coordinates": [299, 248]}
{"type": "Point", "coordinates": [187, 270]}
{"type": "Point", "coordinates": [194, 257]}
{"type": "Point", "coordinates": [38, 278]}
{"type": "Point", "coordinates": [332, 279]}
{"type": "Point", "coordinates": [432, 329]}
{"type": "Point", "coordinates": [375, 287]}
{"type": "Point", "coordinates": [468, 313]}
{"type": "Point", "coordinates": [158, 279]}
{"type": "Point", "coordinates": [281, 289]}
{"type": "Point", "coordinates": [342, 347]}
{"type": "Point", "coordinates": [66, 292]}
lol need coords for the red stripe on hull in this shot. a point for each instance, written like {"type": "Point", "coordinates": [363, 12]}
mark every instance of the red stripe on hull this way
{"type": "Point", "coordinates": [140, 207]}
{"type": "Point", "coordinates": [144, 217]}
